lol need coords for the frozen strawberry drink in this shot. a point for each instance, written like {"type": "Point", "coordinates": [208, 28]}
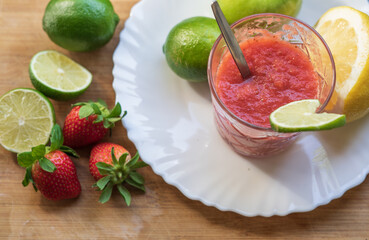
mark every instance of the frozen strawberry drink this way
{"type": "Point", "coordinates": [288, 61]}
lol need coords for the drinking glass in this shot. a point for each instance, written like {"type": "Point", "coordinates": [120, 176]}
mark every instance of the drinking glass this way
{"type": "Point", "coordinates": [246, 138]}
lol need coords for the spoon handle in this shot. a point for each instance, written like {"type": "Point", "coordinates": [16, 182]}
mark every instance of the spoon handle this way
{"type": "Point", "coordinates": [231, 41]}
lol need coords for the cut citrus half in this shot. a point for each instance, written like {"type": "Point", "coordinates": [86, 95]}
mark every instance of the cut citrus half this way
{"type": "Point", "coordinates": [346, 31]}
{"type": "Point", "coordinates": [301, 116]}
{"type": "Point", "coordinates": [58, 76]}
{"type": "Point", "coordinates": [26, 119]}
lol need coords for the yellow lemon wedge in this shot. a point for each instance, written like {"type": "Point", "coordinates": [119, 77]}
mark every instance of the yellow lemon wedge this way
{"type": "Point", "coordinates": [346, 31]}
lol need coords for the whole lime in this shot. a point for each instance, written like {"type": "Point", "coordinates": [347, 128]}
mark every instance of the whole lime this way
{"type": "Point", "coordinates": [188, 46]}
{"type": "Point", "coordinates": [236, 9]}
{"type": "Point", "coordinates": [80, 25]}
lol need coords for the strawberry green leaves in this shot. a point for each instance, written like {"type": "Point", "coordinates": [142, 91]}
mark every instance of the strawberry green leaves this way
{"type": "Point", "coordinates": [56, 142]}
{"type": "Point", "coordinates": [39, 151]}
{"type": "Point", "coordinates": [100, 109]}
{"type": "Point", "coordinates": [125, 194]}
{"type": "Point", "coordinates": [27, 159]}
{"type": "Point", "coordinates": [121, 171]}
{"type": "Point", "coordinates": [69, 151]}
{"type": "Point", "coordinates": [46, 165]}
{"type": "Point", "coordinates": [56, 138]}
{"type": "Point", "coordinates": [28, 178]}
{"type": "Point", "coordinates": [106, 193]}
{"type": "Point", "coordinates": [103, 182]}
{"type": "Point", "coordinates": [37, 154]}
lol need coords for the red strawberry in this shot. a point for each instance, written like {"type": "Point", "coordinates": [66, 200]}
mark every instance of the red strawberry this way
{"type": "Point", "coordinates": [88, 123]}
{"type": "Point", "coordinates": [102, 153]}
{"type": "Point", "coordinates": [109, 171]}
{"type": "Point", "coordinates": [62, 183]}
{"type": "Point", "coordinates": [51, 170]}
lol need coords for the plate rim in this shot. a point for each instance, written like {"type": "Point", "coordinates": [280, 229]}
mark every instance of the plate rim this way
{"type": "Point", "coordinates": [359, 179]}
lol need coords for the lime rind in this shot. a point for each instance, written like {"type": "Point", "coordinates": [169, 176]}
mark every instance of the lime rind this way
{"type": "Point", "coordinates": [188, 45]}
{"type": "Point", "coordinates": [80, 25]}
{"type": "Point", "coordinates": [8, 124]}
{"type": "Point", "coordinates": [300, 116]}
{"type": "Point", "coordinates": [49, 74]}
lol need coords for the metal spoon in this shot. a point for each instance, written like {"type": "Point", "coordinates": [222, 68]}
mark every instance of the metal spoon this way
{"type": "Point", "coordinates": [231, 41]}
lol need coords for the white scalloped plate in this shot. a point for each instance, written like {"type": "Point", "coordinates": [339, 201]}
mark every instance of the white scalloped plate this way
{"type": "Point", "coordinates": [171, 123]}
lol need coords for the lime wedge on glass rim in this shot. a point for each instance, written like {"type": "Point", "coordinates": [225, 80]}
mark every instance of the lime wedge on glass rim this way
{"type": "Point", "coordinates": [26, 119]}
{"type": "Point", "coordinates": [301, 116]}
{"type": "Point", "coordinates": [58, 76]}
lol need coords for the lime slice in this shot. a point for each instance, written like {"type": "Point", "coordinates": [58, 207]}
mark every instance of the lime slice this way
{"type": "Point", "coordinates": [26, 119]}
{"type": "Point", "coordinates": [58, 76]}
{"type": "Point", "coordinates": [301, 116]}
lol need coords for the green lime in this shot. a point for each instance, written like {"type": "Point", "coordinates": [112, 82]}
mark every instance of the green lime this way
{"type": "Point", "coordinates": [188, 46]}
{"type": "Point", "coordinates": [58, 76]}
{"type": "Point", "coordinates": [26, 119]}
{"type": "Point", "coordinates": [80, 25]}
{"type": "Point", "coordinates": [301, 116]}
{"type": "Point", "coordinates": [236, 9]}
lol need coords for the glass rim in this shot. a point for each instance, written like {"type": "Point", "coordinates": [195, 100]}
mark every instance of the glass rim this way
{"type": "Point", "coordinates": [216, 43]}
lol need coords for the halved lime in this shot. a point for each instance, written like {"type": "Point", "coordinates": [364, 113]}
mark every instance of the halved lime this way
{"type": "Point", "coordinates": [26, 119]}
{"type": "Point", "coordinates": [301, 116]}
{"type": "Point", "coordinates": [58, 76]}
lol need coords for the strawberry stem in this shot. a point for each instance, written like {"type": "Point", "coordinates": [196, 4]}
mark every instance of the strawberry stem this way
{"type": "Point", "coordinates": [100, 109]}
{"type": "Point", "coordinates": [116, 174]}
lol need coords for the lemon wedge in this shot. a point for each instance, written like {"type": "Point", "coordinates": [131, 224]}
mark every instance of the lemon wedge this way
{"type": "Point", "coordinates": [346, 31]}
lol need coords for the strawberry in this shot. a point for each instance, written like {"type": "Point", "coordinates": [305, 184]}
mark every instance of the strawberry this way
{"type": "Point", "coordinates": [102, 153]}
{"type": "Point", "coordinates": [109, 172]}
{"type": "Point", "coordinates": [50, 169]}
{"type": "Point", "coordinates": [60, 184]}
{"type": "Point", "coordinates": [88, 122]}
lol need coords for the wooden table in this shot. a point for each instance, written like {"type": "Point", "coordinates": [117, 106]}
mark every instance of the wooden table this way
{"type": "Point", "coordinates": [162, 212]}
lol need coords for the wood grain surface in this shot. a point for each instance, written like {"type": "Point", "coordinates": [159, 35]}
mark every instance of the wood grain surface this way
{"type": "Point", "coordinates": [162, 212]}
